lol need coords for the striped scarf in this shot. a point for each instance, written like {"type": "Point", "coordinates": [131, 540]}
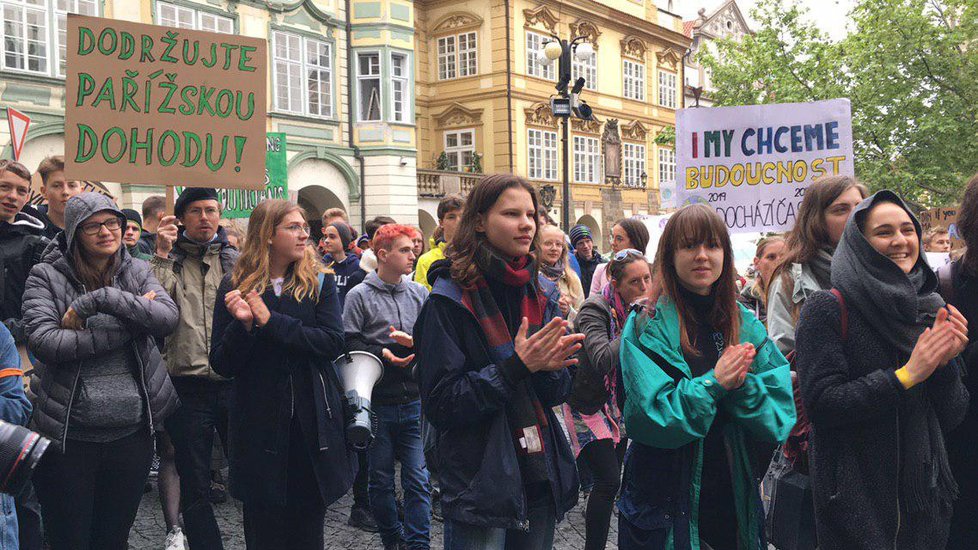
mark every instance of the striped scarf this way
{"type": "Point", "coordinates": [525, 414]}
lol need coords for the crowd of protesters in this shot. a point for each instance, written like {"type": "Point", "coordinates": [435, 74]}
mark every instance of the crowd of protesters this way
{"type": "Point", "coordinates": [519, 366]}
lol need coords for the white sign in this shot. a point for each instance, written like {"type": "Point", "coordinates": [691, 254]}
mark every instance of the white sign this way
{"type": "Point", "coordinates": [753, 163]}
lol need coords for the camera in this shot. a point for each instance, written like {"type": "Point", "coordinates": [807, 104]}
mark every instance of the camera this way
{"type": "Point", "coordinates": [20, 451]}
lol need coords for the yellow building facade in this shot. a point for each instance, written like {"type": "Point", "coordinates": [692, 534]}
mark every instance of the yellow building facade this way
{"type": "Point", "coordinates": [483, 98]}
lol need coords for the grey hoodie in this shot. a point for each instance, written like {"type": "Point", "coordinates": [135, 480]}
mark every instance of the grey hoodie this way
{"type": "Point", "coordinates": [371, 309]}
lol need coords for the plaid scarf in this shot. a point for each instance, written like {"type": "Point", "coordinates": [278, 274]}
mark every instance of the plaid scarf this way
{"type": "Point", "coordinates": [525, 414]}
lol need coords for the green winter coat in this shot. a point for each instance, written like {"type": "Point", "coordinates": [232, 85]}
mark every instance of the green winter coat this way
{"type": "Point", "coordinates": [661, 413]}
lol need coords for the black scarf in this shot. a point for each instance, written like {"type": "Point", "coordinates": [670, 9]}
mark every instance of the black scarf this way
{"type": "Point", "coordinates": [899, 307]}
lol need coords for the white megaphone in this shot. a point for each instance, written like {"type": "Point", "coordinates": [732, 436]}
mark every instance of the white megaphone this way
{"type": "Point", "coordinates": [359, 371]}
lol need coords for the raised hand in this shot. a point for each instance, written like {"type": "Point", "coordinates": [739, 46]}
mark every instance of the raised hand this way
{"type": "Point", "coordinates": [399, 362]}
{"type": "Point", "coordinates": [401, 337]}
{"type": "Point", "coordinates": [166, 236]}
{"type": "Point", "coordinates": [258, 308]}
{"type": "Point", "coordinates": [238, 308]}
{"type": "Point", "coordinates": [549, 348]}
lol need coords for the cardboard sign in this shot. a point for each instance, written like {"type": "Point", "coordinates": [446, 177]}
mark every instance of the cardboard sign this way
{"type": "Point", "coordinates": [753, 163]}
{"type": "Point", "coordinates": [238, 203]}
{"type": "Point", "coordinates": [37, 199]}
{"type": "Point", "coordinates": [154, 105]}
{"type": "Point", "coordinates": [946, 217]}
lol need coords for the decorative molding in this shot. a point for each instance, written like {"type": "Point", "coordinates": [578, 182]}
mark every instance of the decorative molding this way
{"type": "Point", "coordinates": [634, 46]}
{"type": "Point", "coordinates": [540, 115]}
{"type": "Point", "coordinates": [308, 5]}
{"type": "Point", "coordinates": [669, 57]}
{"type": "Point", "coordinates": [586, 28]}
{"type": "Point", "coordinates": [457, 115]}
{"type": "Point", "coordinates": [541, 15]}
{"type": "Point", "coordinates": [592, 126]}
{"type": "Point", "coordinates": [457, 21]}
{"type": "Point", "coordinates": [636, 131]}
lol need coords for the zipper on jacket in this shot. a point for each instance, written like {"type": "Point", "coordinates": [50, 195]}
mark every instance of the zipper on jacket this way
{"type": "Point", "coordinates": [329, 410]}
{"type": "Point", "coordinates": [142, 380]}
{"type": "Point", "coordinates": [291, 399]}
{"type": "Point", "coordinates": [400, 326]}
{"type": "Point", "coordinates": [71, 399]}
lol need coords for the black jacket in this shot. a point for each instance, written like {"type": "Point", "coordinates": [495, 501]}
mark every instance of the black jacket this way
{"type": "Point", "coordinates": [279, 370]}
{"type": "Point", "coordinates": [147, 242]}
{"type": "Point", "coordinates": [21, 246]}
{"type": "Point", "coordinates": [961, 290]}
{"type": "Point", "coordinates": [464, 395]}
{"type": "Point", "coordinates": [853, 398]}
{"type": "Point", "coordinates": [587, 270]}
{"type": "Point", "coordinates": [50, 230]}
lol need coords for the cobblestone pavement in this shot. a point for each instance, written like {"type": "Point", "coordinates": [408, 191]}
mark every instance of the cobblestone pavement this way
{"type": "Point", "coordinates": [148, 532]}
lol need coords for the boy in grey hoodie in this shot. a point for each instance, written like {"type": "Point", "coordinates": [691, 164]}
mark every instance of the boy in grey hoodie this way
{"type": "Point", "coordinates": [379, 317]}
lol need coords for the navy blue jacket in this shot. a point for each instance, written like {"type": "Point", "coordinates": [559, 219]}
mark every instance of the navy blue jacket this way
{"type": "Point", "coordinates": [278, 370]}
{"type": "Point", "coordinates": [464, 395]}
{"type": "Point", "coordinates": [347, 274]}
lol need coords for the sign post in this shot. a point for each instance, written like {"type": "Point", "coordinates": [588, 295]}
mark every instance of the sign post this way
{"type": "Point", "coordinates": [753, 163]}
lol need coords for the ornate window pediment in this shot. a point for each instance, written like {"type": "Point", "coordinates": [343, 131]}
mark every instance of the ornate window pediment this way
{"type": "Point", "coordinates": [585, 28]}
{"type": "Point", "coordinates": [540, 115]}
{"type": "Point", "coordinates": [457, 115]}
{"type": "Point", "coordinates": [456, 22]}
{"type": "Point", "coordinates": [633, 46]}
{"type": "Point", "coordinates": [635, 131]}
{"type": "Point", "coordinates": [541, 15]}
{"type": "Point", "coordinates": [586, 126]}
{"type": "Point", "coordinates": [668, 58]}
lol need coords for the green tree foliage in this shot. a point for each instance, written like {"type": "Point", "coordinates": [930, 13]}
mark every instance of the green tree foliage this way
{"type": "Point", "coordinates": [910, 68]}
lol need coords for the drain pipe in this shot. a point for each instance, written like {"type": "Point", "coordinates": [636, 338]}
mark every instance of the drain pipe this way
{"type": "Point", "coordinates": [357, 154]}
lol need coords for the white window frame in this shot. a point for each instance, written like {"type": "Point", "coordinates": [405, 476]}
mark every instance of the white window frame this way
{"type": "Point", "coordinates": [541, 154]}
{"type": "Point", "coordinates": [201, 20]}
{"type": "Point", "coordinates": [667, 89]}
{"type": "Point", "coordinates": [588, 68]}
{"type": "Point", "coordinates": [51, 23]}
{"type": "Point", "coordinates": [447, 51]}
{"type": "Point", "coordinates": [534, 44]}
{"type": "Point", "coordinates": [401, 85]}
{"type": "Point", "coordinates": [361, 79]}
{"type": "Point", "coordinates": [302, 65]}
{"type": "Point", "coordinates": [587, 159]}
{"type": "Point", "coordinates": [667, 167]}
{"type": "Point", "coordinates": [458, 151]}
{"type": "Point", "coordinates": [633, 79]}
{"type": "Point", "coordinates": [633, 163]}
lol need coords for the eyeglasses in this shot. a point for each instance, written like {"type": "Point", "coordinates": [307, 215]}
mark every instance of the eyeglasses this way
{"type": "Point", "coordinates": [297, 229]}
{"type": "Point", "coordinates": [622, 254]}
{"type": "Point", "coordinates": [93, 228]}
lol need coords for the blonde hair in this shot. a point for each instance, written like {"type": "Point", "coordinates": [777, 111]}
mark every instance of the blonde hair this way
{"type": "Point", "coordinates": [252, 270]}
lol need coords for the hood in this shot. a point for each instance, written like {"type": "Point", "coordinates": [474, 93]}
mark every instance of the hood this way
{"type": "Point", "coordinates": [375, 281]}
{"type": "Point", "coordinates": [348, 259]}
{"type": "Point", "coordinates": [28, 221]}
{"type": "Point", "coordinates": [83, 206]}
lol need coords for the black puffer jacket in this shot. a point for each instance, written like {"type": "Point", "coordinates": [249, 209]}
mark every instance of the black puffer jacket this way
{"type": "Point", "coordinates": [21, 245]}
{"type": "Point", "coordinates": [52, 288]}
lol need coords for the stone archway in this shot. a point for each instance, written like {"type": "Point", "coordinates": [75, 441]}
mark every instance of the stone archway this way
{"type": "Point", "coordinates": [428, 224]}
{"type": "Point", "coordinates": [316, 199]}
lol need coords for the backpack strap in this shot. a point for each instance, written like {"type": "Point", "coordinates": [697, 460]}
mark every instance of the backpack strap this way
{"type": "Point", "coordinates": [843, 313]}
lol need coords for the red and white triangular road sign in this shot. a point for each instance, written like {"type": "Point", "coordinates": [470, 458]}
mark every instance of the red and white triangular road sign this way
{"type": "Point", "coordinates": [19, 122]}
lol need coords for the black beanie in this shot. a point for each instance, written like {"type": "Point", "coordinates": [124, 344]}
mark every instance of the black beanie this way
{"type": "Point", "coordinates": [194, 194]}
{"type": "Point", "coordinates": [133, 216]}
{"type": "Point", "coordinates": [345, 233]}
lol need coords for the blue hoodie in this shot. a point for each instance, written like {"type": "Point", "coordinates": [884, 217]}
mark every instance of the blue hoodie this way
{"type": "Point", "coordinates": [348, 274]}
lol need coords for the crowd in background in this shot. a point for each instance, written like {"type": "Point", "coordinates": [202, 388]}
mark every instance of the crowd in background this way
{"type": "Point", "coordinates": [520, 367]}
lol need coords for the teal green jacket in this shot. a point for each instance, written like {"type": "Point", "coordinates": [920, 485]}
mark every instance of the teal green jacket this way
{"type": "Point", "coordinates": [670, 413]}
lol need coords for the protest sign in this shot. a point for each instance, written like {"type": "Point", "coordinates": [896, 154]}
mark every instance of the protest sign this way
{"type": "Point", "coordinates": [753, 163]}
{"type": "Point", "coordinates": [160, 106]}
{"type": "Point", "coordinates": [238, 203]}
{"type": "Point", "coordinates": [946, 218]}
